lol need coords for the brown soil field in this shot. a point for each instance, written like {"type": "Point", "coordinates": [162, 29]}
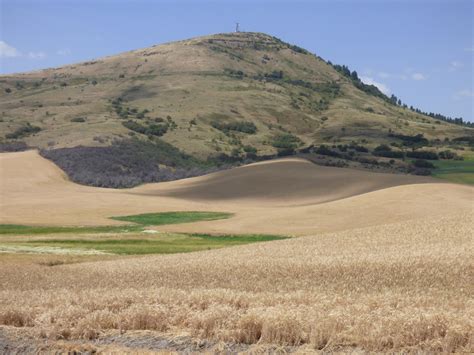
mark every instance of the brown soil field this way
{"type": "Point", "coordinates": [287, 196]}
{"type": "Point", "coordinates": [384, 263]}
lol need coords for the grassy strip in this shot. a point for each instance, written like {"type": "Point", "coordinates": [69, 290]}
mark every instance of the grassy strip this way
{"type": "Point", "coordinates": [459, 171]}
{"type": "Point", "coordinates": [16, 229]}
{"type": "Point", "coordinates": [156, 219]}
{"type": "Point", "coordinates": [140, 221]}
{"type": "Point", "coordinates": [162, 244]}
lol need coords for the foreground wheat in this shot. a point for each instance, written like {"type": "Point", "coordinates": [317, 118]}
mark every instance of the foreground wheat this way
{"type": "Point", "coordinates": [405, 286]}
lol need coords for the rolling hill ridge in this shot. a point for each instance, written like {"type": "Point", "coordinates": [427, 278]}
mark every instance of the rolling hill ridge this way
{"type": "Point", "coordinates": [196, 104]}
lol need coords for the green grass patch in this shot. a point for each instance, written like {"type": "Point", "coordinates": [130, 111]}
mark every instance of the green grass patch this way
{"type": "Point", "coordinates": [157, 219]}
{"type": "Point", "coordinates": [459, 171]}
{"type": "Point", "coordinates": [140, 220]}
{"type": "Point", "coordinates": [16, 229]}
{"type": "Point", "coordinates": [128, 240]}
{"type": "Point", "coordinates": [166, 243]}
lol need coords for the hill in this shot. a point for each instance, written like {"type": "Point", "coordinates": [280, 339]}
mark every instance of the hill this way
{"type": "Point", "coordinates": [286, 196]}
{"type": "Point", "coordinates": [206, 102]}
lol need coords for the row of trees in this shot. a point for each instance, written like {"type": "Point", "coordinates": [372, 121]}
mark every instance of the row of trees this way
{"type": "Point", "coordinates": [394, 100]}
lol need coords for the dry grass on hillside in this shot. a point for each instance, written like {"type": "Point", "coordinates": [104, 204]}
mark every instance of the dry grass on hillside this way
{"type": "Point", "coordinates": [187, 81]}
{"type": "Point", "coordinates": [405, 286]}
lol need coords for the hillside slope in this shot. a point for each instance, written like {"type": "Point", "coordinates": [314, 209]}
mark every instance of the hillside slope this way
{"type": "Point", "coordinates": [200, 79]}
{"type": "Point", "coordinates": [236, 93]}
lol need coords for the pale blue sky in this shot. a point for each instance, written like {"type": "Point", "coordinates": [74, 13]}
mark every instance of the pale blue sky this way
{"type": "Point", "coordinates": [420, 50]}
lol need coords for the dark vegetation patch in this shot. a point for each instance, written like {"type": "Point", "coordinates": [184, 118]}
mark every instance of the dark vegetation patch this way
{"type": "Point", "coordinates": [386, 151]}
{"type": "Point", "coordinates": [126, 163]}
{"type": "Point", "coordinates": [150, 130]}
{"type": "Point", "coordinates": [23, 131]}
{"type": "Point", "coordinates": [374, 91]}
{"type": "Point", "coordinates": [416, 140]}
{"type": "Point", "coordinates": [423, 154]}
{"type": "Point", "coordinates": [286, 143]}
{"type": "Point", "coordinates": [78, 119]}
{"type": "Point", "coordinates": [330, 89]}
{"type": "Point", "coordinates": [465, 139]}
{"type": "Point", "coordinates": [236, 74]}
{"type": "Point", "coordinates": [422, 163]}
{"type": "Point", "coordinates": [13, 147]}
{"type": "Point", "coordinates": [136, 93]}
{"type": "Point", "coordinates": [239, 126]}
{"type": "Point", "coordinates": [448, 155]}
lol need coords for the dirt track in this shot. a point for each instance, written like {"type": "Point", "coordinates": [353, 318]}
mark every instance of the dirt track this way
{"type": "Point", "coordinates": [288, 196]}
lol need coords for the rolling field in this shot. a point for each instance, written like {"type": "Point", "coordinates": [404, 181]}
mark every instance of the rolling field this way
{"type": "Point", "coordinates": [378, 263]}
{"type": "Point", "coordinates": [456, 171]}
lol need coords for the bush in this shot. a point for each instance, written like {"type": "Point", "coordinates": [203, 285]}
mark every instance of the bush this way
{"type": "Point", "coordinates": [421, 163]}
{"type": "Point", "coordinates": [126, 163]}
{"type": "Point", "coordinates": [384, 150]}
{"type": "Point", "coordinates": [13, 147]}
{"type": "Point", "coordinates": [358, 148]}
{"type": "Point", "coordinates": [242, 126]}
{"type": "Point", "coordinates": [324, 150]}
{"type": "Point", "coordinates": [151, 130]}
{"type": "Point", "coordinates": [78, 119]}
{"type": "Point", "coordinates": [283, 152]}
{"type": "Point", "coordinates": [8, 90]}
{"type": "Point", "coordinates": [285, 141]}
{"type": "Point", "coordinates": [365, 160]}
{"type": "Point", "coordinates": [423, 154]}
{"type": "Point", "coordinates": [249, 149]}
{"type": "Point", "coordinates": [410, 140]}
{"type": "Point", "coordinates": [23, 132]}
{"type": "Point", "coordinates": [420, 171]}
{"type": "Point", "coordinates": [448, 154]}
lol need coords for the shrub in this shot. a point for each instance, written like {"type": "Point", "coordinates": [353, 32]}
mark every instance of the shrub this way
{"type": "Point", "coordinates": [151, 130]}
{"type": "Point", "coordinates": [126, 163]}
{"type": "Point", "coordinates": [420, 171]}
{"type": "Point", "coordinates": [421, 163]}
{"type": "Point", "coordinates": [285, 141]}
{"type": "Point", "coordinates": [384, 150]}
{"type": "Point", "coordinates": [410, 140]}
{"type": "Point", "coordinates": [24, 131]}
{"type": "Point", "coordinates": [283, 152]}
{"type": "Point", "coordinates": [423, 154]}
{"type": "Point", "coordinates": [78, 119]}
{"type": "Point", "coordinates": [324, 150]}
{"type": "Point", "coordinates": [365, 160]}
{"type": "Point", "coordinates": [156, 130]}
{"type": "Point", "coordinates": [241, 126]}
{"type": "Point", "coordinates": [13, 147]}
{"type": "Point", "coordinates": [358, 148]}
{"type": "Point", "coordinates": [8, 90]}
{"type": "Point", "coordinates": [448, 154]}
{"type": "Point", "coordinates": [249, 149]}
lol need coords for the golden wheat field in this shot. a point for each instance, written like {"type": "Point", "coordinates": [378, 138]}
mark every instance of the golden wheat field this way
{"type": "Point", "coordinates": [379, 263]}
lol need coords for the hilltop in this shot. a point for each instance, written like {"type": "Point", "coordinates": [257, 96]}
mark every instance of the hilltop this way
{"type": "Point", "coordinates": [184, 108]}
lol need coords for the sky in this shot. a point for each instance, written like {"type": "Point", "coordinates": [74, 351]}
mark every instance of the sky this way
{"type": "Point", "coordinates": [420, 50]}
